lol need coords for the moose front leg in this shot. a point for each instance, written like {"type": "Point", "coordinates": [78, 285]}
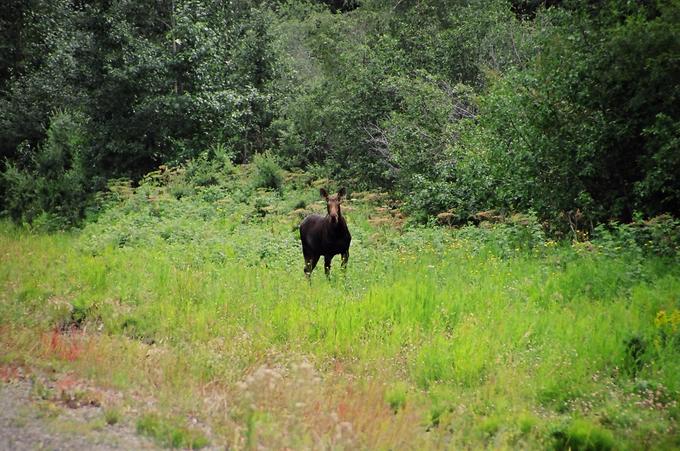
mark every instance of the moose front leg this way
{"type": "Point", "coordinates": [310, 264]}
{"type": "Point", "coordinates": [327, 264]}
{"type": "Point", "coordinates": [345, 258]}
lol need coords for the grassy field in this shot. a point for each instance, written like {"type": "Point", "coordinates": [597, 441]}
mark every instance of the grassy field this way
{"type": "Point", "coordinates": [192, 303]}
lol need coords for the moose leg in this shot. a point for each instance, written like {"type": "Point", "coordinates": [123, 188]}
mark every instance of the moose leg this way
{"type": "Point", "coordinates": [310, 264]}
{"type": "Point", "coordinates": [327, 264]}
{"type": "Point", "coordinates": [345, 257]}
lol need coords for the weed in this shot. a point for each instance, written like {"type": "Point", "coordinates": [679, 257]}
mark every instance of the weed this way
{"type": "Point", "coordinates": [526, 423]}
{"type": "Point", "coordinates": [582, 435]}
{"type": "Point", "coordinates": [251, 421]}
{"type": "Point", "coordinates": [41, 391]}
{"type": "Point", "coordinates": [112, 416]}
{"type": "Point", "coordinates": [437, 411]}
{"type": "Point", "coordinates": [489, 426]}
{"type": "Point", "coordinates": [396, 396]}
{"type": "Point", "coordinates": [169, 433]}
{"type": "Point", "coordinates": [47, 409]}
{"type": "Point", "coordinates": [634, 354]}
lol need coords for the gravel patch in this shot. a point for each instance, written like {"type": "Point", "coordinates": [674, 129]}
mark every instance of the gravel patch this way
{"type": "Point", "coordinates": [30, 424]}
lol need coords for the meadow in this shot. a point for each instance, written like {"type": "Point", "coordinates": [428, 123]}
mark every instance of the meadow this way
{"type": "Point", "coordinates": [189, 299]}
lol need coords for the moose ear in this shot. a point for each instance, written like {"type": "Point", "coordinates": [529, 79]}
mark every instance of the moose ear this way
{"type": "Point", "coordinates": [342, 192]}
{"type": "Point", "coordinates": [324, 193]}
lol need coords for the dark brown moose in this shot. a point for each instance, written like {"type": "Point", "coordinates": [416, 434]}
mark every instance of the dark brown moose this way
{"type": "Point", "coordinates": [327, 236]}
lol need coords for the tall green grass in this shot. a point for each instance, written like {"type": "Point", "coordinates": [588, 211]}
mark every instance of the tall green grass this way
{"type": "Point", "coordinates": [500, 345]}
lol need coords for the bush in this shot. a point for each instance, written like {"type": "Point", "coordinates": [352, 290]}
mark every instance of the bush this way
{"type": "Point", "coordinates": [268, 173]}
{"type": "Point", "coordinates": [514, 234]}
{"type": "Point", "coordinates": [211, 167]}
{"type": "Point", "coordinates": [170, 434]}
{"type": "Point", "coordinates": [112, 416]}
{"type": "Point", "coordinates": [396, 397]}
{"type": "Point", "coordinates": [656, 236]}
{"type": "Point", "coordinates": [50, 187]}
{"type": "Point", "coordinates": [582, 435]}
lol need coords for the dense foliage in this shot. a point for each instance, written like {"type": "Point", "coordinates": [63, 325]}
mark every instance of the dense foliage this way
{"type": "Point", "coordinates": [567, 109]}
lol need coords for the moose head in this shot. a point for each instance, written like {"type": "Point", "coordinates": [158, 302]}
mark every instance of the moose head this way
{"type": "Point", "coordinates": [333, 203]}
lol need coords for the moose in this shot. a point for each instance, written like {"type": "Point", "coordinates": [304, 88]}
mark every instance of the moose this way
{"type": "Point", "coordinates": [327, 236]}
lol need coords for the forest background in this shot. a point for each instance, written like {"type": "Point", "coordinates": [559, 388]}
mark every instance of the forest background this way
{"type": "Point", "coordinates": [568, 110]}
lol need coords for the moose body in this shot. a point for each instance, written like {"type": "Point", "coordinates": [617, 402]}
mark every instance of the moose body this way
{"type": "Point", "coordinates": [325, 235]}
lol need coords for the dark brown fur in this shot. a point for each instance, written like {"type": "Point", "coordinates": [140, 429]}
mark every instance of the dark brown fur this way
{"type": "Point", "coordinates": [325, 235]}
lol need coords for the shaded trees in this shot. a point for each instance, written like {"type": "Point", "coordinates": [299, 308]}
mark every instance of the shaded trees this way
{"type": "Point", "coordinates": [154, 81]}
{"type": "Point", "coordinates": [589, 123]}
{"type": "Point", "coordinates": [550, 106]}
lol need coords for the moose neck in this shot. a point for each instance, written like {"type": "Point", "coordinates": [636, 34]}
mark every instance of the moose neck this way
{"type": "Point", "coordinates": [336, 225]}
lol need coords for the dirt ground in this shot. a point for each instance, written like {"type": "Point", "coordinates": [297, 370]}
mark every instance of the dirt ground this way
{"type": "Point", "coordinates": [28, 422]}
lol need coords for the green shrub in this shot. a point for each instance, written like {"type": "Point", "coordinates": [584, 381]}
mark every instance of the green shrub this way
{"type": "Point", "coordinates": [48, 222]}
{"type": "Point", "coordinates": [582, 435]}
{"type": "Point", "coordinates": [211, 167]}
{"type": "Point", "coordinates": [526, 423]}
{"type": "Point", "coordinates": [436, 412]}
{"type": "Point", "coordinates": [170, 434]}
{"type": "Point", "coordinates": [659, 235]}
{"type": "Point", "coordinates": [268, 173]}
{"type": "Point", "coordinates": [489, 426]}
{"type": "Point", "coordinates": [396, 396]}
{"type": "Point", "coordinates": [509, 236]}
{"type": "Point", "coordinates": [112, 416]}
{"type": "Point", "coordinates": [263, 205]}
{"type": "Point", "coordinates": [51, 186]}
{"type": "Point", "coordinates": [634, 355]}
